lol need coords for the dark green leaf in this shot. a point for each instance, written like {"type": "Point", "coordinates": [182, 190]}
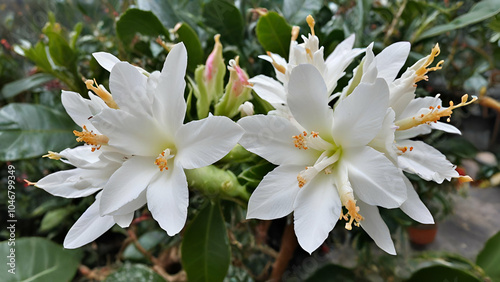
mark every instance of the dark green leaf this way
{"type": "Point", "coordinates": [28, 131]}
{"type": "Point", "coordinates": [479, 12]}
{"type": "Point", "coordinates": [187, 35]}
{"type": "Point", "coordinates": [274, 34]}
{"type": "Point", "coordinates": [38, 259]}
{"type": "Point", "coordinates": [53, 218]}
{"type": "Point", "coordinates": [205, 248]}
{"type": "Point", "coordinates": [332, 272]}
{"type": "Point", "coordinates": [255, 173]}
{"type": "Point", "coordinates": [489, 257]}
{"type": "Point", "coordinates": [296, 11]}
{"type": "Point", "coordinates": [171, 12]}
{"type": "Point", "coordinates": [138, 21]}
{"type": "Point", "coordinates": [134, 272]}
{"type": "Point", "coordinates": [13, 88]}
{"type": "Point", "coordinates": [148, 240]}
{"type": "Point", "coordinates": [226, 19]}
{"type": "Point", "coordinates": [60, 52]}
{"type": "Point", "coordinates": [439, 273]}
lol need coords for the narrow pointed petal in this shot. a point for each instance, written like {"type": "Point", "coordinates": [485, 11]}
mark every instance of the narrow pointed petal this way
{"type": "Point", "coordinates": [106, 60]}
{"type": "Point", "coordinates": [80, 109]}
{"type": "Point", "coordinates": [276, 193]}
{"type": "Point", "coordinates": [414, 207]}
{"type": "Point", "coordinates": [128, 87]}
{"type": "Point", "coordinates": [203, 142]}
{"type": "Point", "coordinates": [374, 178]}
{"type": "Point", "coordinates": [375, 226]}
{"type": "Point", "coordinates": [271, 138]}
{"type": "Point", "coordinates": [422, 129]}
{"type": "Point", "coordinates": [168, 199]}
{"type": "Point", "coordinates": [127, 183]}
{"type": "Point", "coordinates": [359, 117]}
{"type": "Point", "coordinates": [88, 227]}
{"type": "Point", "coordinates": [269, 89]}
{"type": "Point", "coordinates": [384, 141]}
{"type": "Point", "coordinates": [74, 183]}
{"type": "Point", "coordinates": [391, 60]}
{"type": "Point", "coordinates": [81, 156]}
{"type": "Point", "coordinates": [308, 100]}
{"type": "Point", "coordinates": [170, 107]}
{"type": "Point", "coordinates": [132, 206]}
{"type": "Point", "coordinates": [123, 220]}
{"type": "Point", "coordinates": [445, 127]}
{"type": "Point", "coordinates": [317, 210]}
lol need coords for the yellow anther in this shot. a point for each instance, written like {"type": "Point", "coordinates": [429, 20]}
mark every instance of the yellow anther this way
{"type": "Point", "coordinates": [52, 155]}
{"type": "Point", "coordinates": [311, 22]}
{"type": "Point", "coordinates": [434, 115]}
{"type": "Point", "coordinates": [278, 67]}
{"type": "Point", "coordinates": [89, 137]}
{"type": "Point", "coordinates": [465, 179]}
{"type": "Point", "coordinates": [421, 73]}
{"type": "Point", "coordinates": [302, 181]}
{"type": "Point", "coordinates": [353, 213]}
{"type": "Point", "coordinates": [100, 91]}
{"type": "Point", "coordinates": [299, 141]}
{"type": "Point", "coordinates": [161, 160]}
{"type": "Point", "coordinates": [295, 32]}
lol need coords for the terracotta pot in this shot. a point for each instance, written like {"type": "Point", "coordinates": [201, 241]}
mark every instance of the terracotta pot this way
{"type": "Point", "coordinates": [422, 234]}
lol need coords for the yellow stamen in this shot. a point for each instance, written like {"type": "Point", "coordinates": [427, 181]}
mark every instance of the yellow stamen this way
{"type": "Point", "coordinates": [162, 159]}
{"type": "Point", "coordinates": [295, 32]}
{"type": "Point", "coordinates": [465, 179]}
{"type": "Point", "coordinates": [89, 137]}
{"type": "Point", "coordinates": [311, 22]}
{"type": "Point", "coordinates": [434, 115]}
{"type": "Point", "coordinates": [422, 71]}
{"type": "Point", "coordinates": [52, 155]}
{"type": "Point", "coordinates": [278, 67]}
{"type": "Point", "coordinates": [100, 91]}
{"type": "Point", "coordinates": [302, 181]}
{"type": "Point", "coordinates": [353, 212]}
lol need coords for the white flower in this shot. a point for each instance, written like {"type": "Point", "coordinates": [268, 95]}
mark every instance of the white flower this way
{"type": "Point", "coordinates": [341, 170]}
{"type": "Point", "coordinates": [148, 127]}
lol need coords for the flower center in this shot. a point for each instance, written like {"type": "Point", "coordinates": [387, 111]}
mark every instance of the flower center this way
{"type": "Point", "coordinates": [423, 70]}
{"type": "Point", "coordinates": [434, 114]}
{"type": "Point", "coordinates": [163, 157]}
{"type": "Point", "coordinates": [324, 163]}
{"type": "Point", "coordinates": [101, 92]}
{"type": "Point", "coordinates": [90, 138]}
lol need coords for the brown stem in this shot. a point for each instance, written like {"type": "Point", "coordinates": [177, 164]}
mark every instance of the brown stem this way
{"type": "Point", "coordinates": [288, 245]}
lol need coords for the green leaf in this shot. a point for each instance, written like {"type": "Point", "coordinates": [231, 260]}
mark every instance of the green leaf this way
{"type": "Point", "coordinates": [187, 35]}
{"type": "Point", "coordinates": [226, 19]}
{"type": "Point", "coordinates": [28, 131]}
{"type": "Point", "coordinates": [296, 11]}
{"type": "Point", "coordinates": [171, 12]}
{"type": "Point", "coordinates": [134, 272]}
{"type": "Point", "coordinates": [148, 240]}
{"type": "Point", "coordinates": [13, 88]}
{"type": "Point", "coordinates": [38, 55]}
{"type": "Point", "coordinates": [38, 259]}
{"type": "Point", "coordinates": [205, 248]}
{"type": "Point", "coordinates": [332, 272]}
{"type": "Point", "coordinates": [489, 257]}
{"type": "Point", "coordinates": [138, 21]}
{"type": "Point", "coordinates": [274, 34]}
{"type": "Point", "coordinates": [54, 218]}
{"type": "Point", "coordinates": [479, 12]}
{"type": "Point", "coordinates": [60, 52]}
{"type": "Point", "coordinates": [442, 273]}
{"type": "Point", "coordinates": [254, 174]}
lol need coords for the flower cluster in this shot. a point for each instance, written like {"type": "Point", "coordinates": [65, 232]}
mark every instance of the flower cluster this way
{"type": "Point", "coordinates": [339, 155]}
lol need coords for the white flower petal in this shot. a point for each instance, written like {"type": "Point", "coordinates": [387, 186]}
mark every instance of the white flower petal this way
{"type": "Point", "coordinates": [276, 193]}
{"type": "Point", "coordinates": [422, 129]}
{"type": "Point", "coordinates": [374, 178]}
{"type": "Point", "coordinates": [123, 220]}
{"type": "Point", "coordinates": [376, 227]}
{"type": "Point", "coordinates": [414, 207]}
{"type": "Point", "coordinates": [74, 183]}
{"type": "Point", "coordinates": [271, 138]}
{"type": "Point", "coordinates": [445, 127]}
{"type": "Point", "coordinates": [418, 106]}
{"type": "Point", "coordinates": [317, 210]}
{"type": "Point", "coordinates": [106, 60]}
{"type": "Point", "coordinates": [384, 141]}
{"type": "Point", "coordinates": [391, 60]}
{"type": "Point", "coordinates": [80, 109]}
{"type": "Point", "coordinates": [128, 87]}
{"type": "Point", "coordinates": [359, 117]}
{"type": "Point", "coordinates": [269, 89]}
{"type": "Point", "coordinates": [88, 227]}
{"type": "Point", "coordinates": [168, 199]}
{"type": "Point", "coordinates": [127, 183]}
{"type": "Point", "coordinates": [203, 142]}
{"type": "Point", "coordinates": [425, 161]}
{"type": "Point", "coordinates": [170, 107]}
{"type": "Point", "coordinates": [308, 99]}
{"type": "Point", "coordinates": [81, 157]}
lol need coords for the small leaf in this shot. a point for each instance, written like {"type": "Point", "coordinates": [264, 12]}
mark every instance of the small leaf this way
{"type": "Point", "coordinates": [28, 130]}
{"type": "Point", "coordinates": [442, 273]}
{"type": "Point", "coordinates": [60, 52]}
{"type": "Point", "coordinates": [274, 34]}
{"type": "Point", "coordinates": [138, 21]}
{"type": "Point", "coordinates": [148, 240]}
{"type": "Point", "coordinates": [170, 12]}
{"type": "Point", "coordinates": [205, 248]}
{"type": "Point", "coordinates": [489, 257]}
{"type": "Point", "coordinates": [38, 55]}
{"type": "Point", "coordinates": [296, 11]}
{"type": "Point", "coordinates": [187, 35]}
{"type": "Point", "coordinates": [13, 88]}
{"type": "Point", "coordinates": [37, 259]}
{"type": "Point", "coordinates": [53, 218]}
{"type": "Point", "coordinates": [225, 18]}
{"type": "Point", "coordinates": [134, 272]}
{"type": "Point", "coordinates": [254, 174]}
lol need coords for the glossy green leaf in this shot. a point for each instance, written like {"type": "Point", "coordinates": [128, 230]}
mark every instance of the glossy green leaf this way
{"type": "Point", "coordinates": [170, 12]}
{"type": "Point", "coordinates": [138, 21]}
{"type": "Point", "coordinates": [489, 257]}
{"type": "Point", "coordinates": [37, 259]}
{"type": "Point", "coordinates": [187, 35]}
{"type": "Point", "coordinates": [332, 272]}
{"type": "Point", "coordinates": [60, 52]}
{"type": "Point", "coordinates": [225, 19]}
{"type": "Point", "coordinates": [205, 248]}
{"type": "Point", "coordinates": [274, 34]}
{"type": "Point", "coordinates": [13, 88]}
{"type": "Point", "coordinates": [439, 273]}
{"type": "Point", "coordinates": [53, 218]}
{"type": "Point", "coordinates": [148, 240]}
{"type": "Point", "coordinates": [29, 130]}
{"type": "Point", "coordinates": [38, 55]}
{"type": "Point", "coordinates": [254, 174]}
{"type": "Point", "coordinates": [134, 272]}
{"type": "Point", "coordinates": [479, 12]}
{"type": "Point", "coordinates": [296, 11]}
